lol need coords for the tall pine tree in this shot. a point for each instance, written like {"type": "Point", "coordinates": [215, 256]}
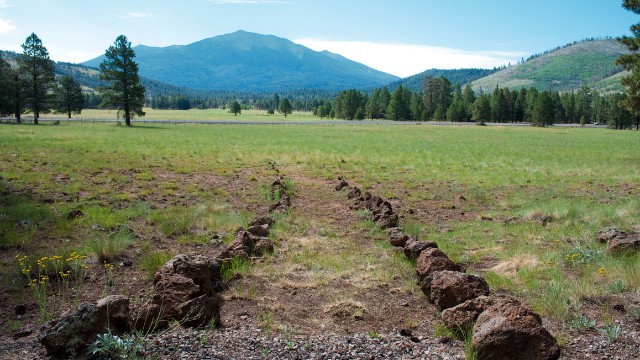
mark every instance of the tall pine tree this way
{"type": "Point", "coordinates": [37, 73]}
{"type": "Point", "coordinates": [125, 93]}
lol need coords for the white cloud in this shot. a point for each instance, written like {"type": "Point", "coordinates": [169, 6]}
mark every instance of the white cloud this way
{"type": "Point", "coordinates": [74, 56]}
{"type": "Point", "coordinates": [5, 4]}
{"type": "Point", "coordinates": [6, 26]}
{"type": "Point", "coordinates": [134, 16]}
{"type": "Point", "coordinates": [247, 2]}
{"type": "Point", "coordinates": [408, 59]}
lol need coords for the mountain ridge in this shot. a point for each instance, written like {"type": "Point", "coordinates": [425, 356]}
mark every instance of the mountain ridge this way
{"type": "Point", "coordinates": [244, 61]}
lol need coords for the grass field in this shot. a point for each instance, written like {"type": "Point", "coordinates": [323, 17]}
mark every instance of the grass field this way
{"type": "Point", "coordinates": [521, 206]}
{"type": "Point", "coordinates": [191, 115]}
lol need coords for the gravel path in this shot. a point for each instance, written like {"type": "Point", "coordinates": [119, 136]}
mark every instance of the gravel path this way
{"type": "Point", "coordinates": [254, 343]}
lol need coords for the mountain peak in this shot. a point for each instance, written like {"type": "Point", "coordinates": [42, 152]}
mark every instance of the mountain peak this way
{"type": "Point", "coordinates": [246, 61]}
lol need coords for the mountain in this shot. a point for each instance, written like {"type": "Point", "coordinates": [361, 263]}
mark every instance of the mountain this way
{"type": "Point", "coordinates": [591, 62]}
{"type": "Point", "coordinates": [457, 76]}
{"type": "Point", "coordinates": [244, 61]}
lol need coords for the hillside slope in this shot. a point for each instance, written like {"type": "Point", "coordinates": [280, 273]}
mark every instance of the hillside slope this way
{"type": "Point", "coordinates": [457, 76]}
{"type": "Point", "coordinates": [244, 61]}
{"type": "Point", "coordinates": [567, 68]}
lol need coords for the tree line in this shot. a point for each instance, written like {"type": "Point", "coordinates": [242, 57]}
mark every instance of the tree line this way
{"type": "Point", "coordinates": [440, 100]}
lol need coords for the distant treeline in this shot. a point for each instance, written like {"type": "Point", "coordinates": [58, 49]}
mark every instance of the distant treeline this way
{"type": "Point", "coordinates": [440, 100]}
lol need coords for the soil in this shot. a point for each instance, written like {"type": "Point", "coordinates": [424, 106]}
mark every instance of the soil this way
{"type": "Point", "coordinates": [344, 318]}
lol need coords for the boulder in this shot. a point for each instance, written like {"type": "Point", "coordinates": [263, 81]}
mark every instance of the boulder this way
{"type": "Point", "coordinates": [625, 244]}
{"type": "Point", "coordinates": [204, 271]}
{"type": "Point", "coordinates": [185, 291]}
{"type": "Point", "coordinates": [388, 221]}
{"type": "Point", "coordinates": [74, 214]}
{"type": "Point", "coordinates": [510, 330]}
{"type": "Point", "coordinates": [246, 245]}
{"type": "Point", "coordinates": [447, 289]}
{"type": "Point", "coordinates": [263, 220]}
{"type": "Point", "coordinates": [463, 316]}
{"type": "Point", "coordinates": [343, 184]}
{"type": "Point", "coordinates": [259, 230]}
{"type": "Point", "coordinates": [73, 332]}
{"type": "Point", "coordinates": [413, 248]}
{"type": "Point", "coordinates": [431, 260]}
{"type": "Point", "coordinates": [608, 234]}
{"type": "Point", "coordinates": [282, 205]}
{"type": "Point", "coordinates": [354, 193]}
{"type": "Point", "coordinates": [397, 237]}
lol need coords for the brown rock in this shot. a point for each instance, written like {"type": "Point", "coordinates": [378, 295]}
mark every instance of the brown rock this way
{"type": "Point", "coordinates": [72, 333]}
{"type": "Point", "coordinates": [397, 237]}
{"type": "Point", "coordinates": [184, 291]}
{"type": "Point", "coordinates": [354, 193]}
{"type": "Point", "coordinates": [625, 244]}
{"type": "Point", "coordinates": [463, 316]}
{"type": "Point", "coordinates": [447, 289]}
{"type": "Point", "coordinates": [608, 234]}
{"type": "Point", "coordinates": [431, 260]}
{"type": "Point", "coordinates": [264, 220]}
{"type": "Point", "coordinates": [259, 230]}
{"type": "Point", "coordinates": [413, 248]}
{"type": "Point", "coordinates": [511, 330]}
{"type": "Point", "coordinates": [343, 184]}
{"type": "Point", "coordinates": [200, 311]}
{"type": "Point", "coordinates": [388, 221]}
{"type": "Point", "coordinates": [203, 270]}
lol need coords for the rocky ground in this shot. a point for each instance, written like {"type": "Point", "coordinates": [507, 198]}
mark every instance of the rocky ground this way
{"type": "Point", "coordinates": [317, 321]}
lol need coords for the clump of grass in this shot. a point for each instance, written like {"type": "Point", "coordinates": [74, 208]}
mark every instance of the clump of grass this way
{"type": "Point", "coordinates": [109, 247]}
{"type": "Point", "coordinates": [413, 229]}
{"type": "Point", "coordinates": [234, 267]}
{"type": "Point", "coordinates": [554, 301]}
{"type": "Point", "coordinates": [151, 261]}
{"type": "Point", "coordinates": [442, 330]}
{"type": "Point", "coordinates": [611, 332]}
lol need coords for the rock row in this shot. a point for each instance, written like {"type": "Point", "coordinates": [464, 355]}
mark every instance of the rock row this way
{"type": "Point", "coordinates": [186, 289]}
{"type": "Point", "coordinates": [502, 326]}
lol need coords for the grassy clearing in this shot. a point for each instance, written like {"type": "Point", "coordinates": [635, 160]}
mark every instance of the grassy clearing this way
{"type": "Point", "coordinates": [558, 187]}
{"type": "Point", "coordinates": [194, 115]}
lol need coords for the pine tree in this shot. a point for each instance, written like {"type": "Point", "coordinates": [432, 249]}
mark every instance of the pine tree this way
{"type": "Point", "coordinates": [543, 110]}
{"type": "Point", "coordinates": [631, 62]}
{"type": "Point", "coordinates": [69, 98]}
{"type": "Point", "coordinates": [37, 71]}
{"type": "Point", "coordinates": [235, 108]}
{"type": "Point", "coordinates": [125, 93]}
{"type": "Point", "coordinates": [285, 107]}
{"type": "Point", "coordinates": [6, 88]}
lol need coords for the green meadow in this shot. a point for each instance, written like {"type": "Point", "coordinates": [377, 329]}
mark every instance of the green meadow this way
{"type": "Point", "coordinates": [521, 206]}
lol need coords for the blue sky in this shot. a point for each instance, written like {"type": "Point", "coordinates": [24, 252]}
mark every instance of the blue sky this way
{"type": "Point", "coordinates": [402, 37]}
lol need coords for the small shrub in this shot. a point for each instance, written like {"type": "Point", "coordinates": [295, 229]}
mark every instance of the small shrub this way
{"type": "Point", "coordinates": [112, 347]}
{"type": "Point", "coordinates": [611, 332]}
{"type": "Point", "coordinates": [582, 322]}
{"type": "Point", "coordinates": [617, 286]}
{"type": "Point", "coordinates": [582, 255]}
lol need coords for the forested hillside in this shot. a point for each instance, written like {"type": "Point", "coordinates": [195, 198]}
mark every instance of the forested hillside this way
{"type": "Point", "coordinates": [457, 76]}
{"type": "Point", "coordinates": [590, 62]}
